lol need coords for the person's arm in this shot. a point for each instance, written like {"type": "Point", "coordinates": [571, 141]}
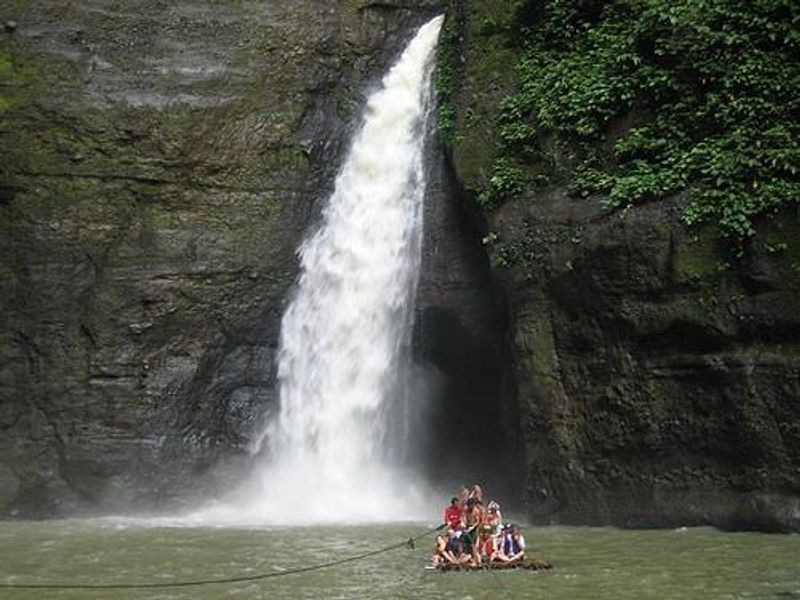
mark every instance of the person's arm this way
{"type": "Point", "coordinates": [450, 557]}
{"type": "Point", "coordinates": [521, 544]}
{"type": "Point", "coordinates": [473, 530]}
{"type": "Point", "coordinates": [501, 553]}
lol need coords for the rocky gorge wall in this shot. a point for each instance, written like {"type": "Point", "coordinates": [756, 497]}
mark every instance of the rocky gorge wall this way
{"type": "Point", "coordinates": [161, 162]}
{"type": "Point", "coordinates": [657, 375]}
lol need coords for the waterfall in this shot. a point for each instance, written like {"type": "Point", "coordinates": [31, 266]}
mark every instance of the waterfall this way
{"type": "Point", "coordinates": [344, 337]}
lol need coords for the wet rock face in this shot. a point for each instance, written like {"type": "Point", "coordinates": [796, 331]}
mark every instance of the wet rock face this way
{"type": "Point", "coordinates": [161, 162]}
{"type": "Point", "coordinates": [653, 392]}
{"type": "Point", "coordinates": [461, 350]}
{"type": "Point", "coordinates": [656, 376]}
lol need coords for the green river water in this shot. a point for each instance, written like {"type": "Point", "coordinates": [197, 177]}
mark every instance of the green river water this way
{"type": "Point", "coordinates": [596, 563]}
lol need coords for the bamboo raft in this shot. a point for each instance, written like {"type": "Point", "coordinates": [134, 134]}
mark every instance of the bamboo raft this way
{"type": "Point", "coordinates": [532, 565]}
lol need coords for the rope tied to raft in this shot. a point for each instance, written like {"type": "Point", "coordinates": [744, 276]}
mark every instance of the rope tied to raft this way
{"type": "Point", "coordinates": [410, 543]}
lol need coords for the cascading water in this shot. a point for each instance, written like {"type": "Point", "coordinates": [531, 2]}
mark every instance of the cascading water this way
{"type": "Point", "coordinates": [344, 336]}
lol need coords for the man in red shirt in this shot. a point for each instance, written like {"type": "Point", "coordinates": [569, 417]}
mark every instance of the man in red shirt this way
{"type": "Point", "coordinates": [453, 515]}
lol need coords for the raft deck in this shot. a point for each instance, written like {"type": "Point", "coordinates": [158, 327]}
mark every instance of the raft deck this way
{"type": "Point", "coordinates": [532, 565]}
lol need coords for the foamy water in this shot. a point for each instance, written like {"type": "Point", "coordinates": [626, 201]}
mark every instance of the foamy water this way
{"type": "Point", "coordinates": [331, 451]}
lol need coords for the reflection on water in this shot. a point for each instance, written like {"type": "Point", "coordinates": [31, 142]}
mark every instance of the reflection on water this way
{"type": "Point", "coordinates": [589, 563]}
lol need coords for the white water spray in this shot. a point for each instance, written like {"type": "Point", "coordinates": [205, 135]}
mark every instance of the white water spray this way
{"type": "Point", "coordinates": [344, 337]}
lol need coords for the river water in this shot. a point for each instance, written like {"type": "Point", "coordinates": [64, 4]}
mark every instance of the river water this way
{"type": "Point", "coordinates": [597, 563]}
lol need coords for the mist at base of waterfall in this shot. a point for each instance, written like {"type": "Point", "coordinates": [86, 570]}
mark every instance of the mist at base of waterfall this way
{"type": "Point", "coordinates": [305, 499]}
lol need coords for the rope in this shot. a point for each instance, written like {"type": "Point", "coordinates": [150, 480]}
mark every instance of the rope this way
{"type": "Point", "coordinates": [244, 578]}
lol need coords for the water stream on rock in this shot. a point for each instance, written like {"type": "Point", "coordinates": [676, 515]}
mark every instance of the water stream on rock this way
{"type": "Point", "coordinates": [345, 336]}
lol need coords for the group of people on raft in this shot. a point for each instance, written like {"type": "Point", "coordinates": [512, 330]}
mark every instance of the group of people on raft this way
{"type": "Point", "coordinates": [476, 535]}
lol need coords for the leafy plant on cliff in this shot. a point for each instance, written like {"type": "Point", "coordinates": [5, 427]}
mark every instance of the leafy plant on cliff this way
{"type": "Point", "coordinates": [506, 179]}
{"type": "Point", "coordinates": [445, 78]}
{"type": "Point", "coordinates": [661, 96]}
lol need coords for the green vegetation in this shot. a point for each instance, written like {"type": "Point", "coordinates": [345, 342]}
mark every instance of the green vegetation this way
{"type": "Point", "coordinates": [446, 70]}
{"type": "Point", "coordinates": [507, 179]}
{"type": "Point", "coordinates": [657, 97]}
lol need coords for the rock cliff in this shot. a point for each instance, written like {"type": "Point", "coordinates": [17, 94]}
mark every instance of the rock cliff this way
{"type": "Point", "coordinates": [657, 374]}
{"type": "Point", "coordinates": [161, 162]}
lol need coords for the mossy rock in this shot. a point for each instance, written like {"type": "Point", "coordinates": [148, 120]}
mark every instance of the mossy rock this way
{"type": "Point", "coordinates": [484, 73]}
{"type": "Point", "coordinates": [699, 256]}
